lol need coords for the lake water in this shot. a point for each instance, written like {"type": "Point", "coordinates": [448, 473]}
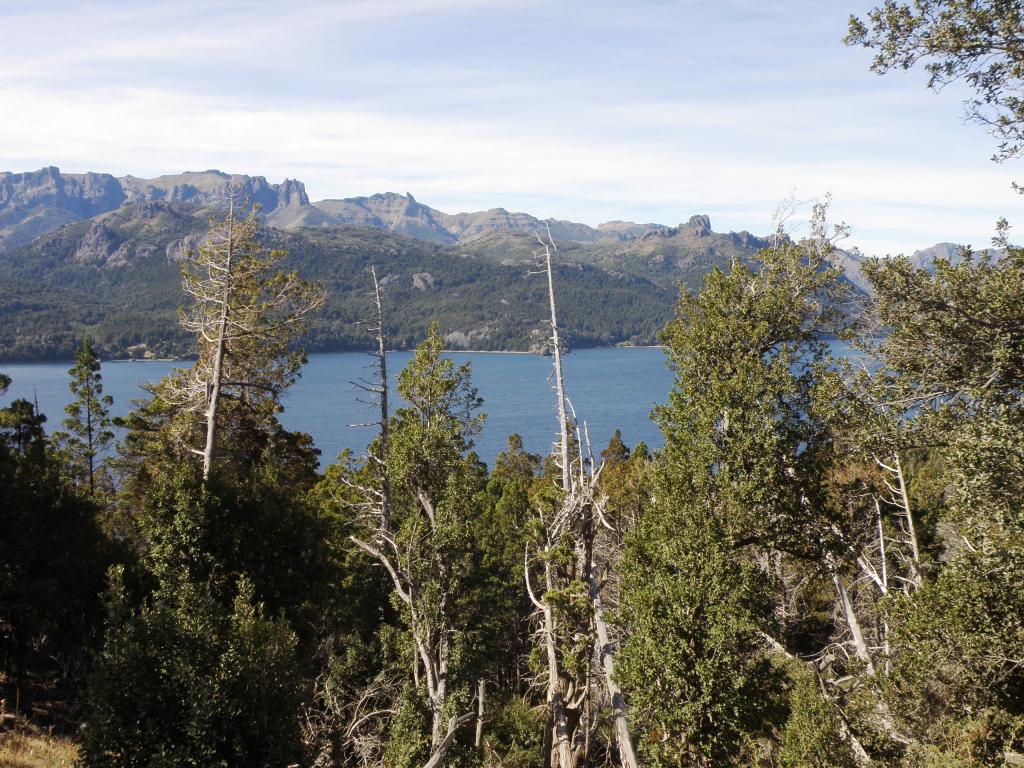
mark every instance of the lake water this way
{"type": "Point", "coordinates": [609, 388]}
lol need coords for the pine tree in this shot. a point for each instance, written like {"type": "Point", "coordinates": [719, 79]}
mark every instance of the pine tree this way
{"type": "Point", "coordinates": [246, 317]}
{"type": "Point", "coordinates": [953, 362]}
{"type": "Point", "coordinates": [51, 557]}
{"type": "Point", "coordinates": [88, 424]}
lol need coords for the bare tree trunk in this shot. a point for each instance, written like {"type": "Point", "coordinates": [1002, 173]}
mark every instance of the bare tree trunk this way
{"type": "Point", "coordinates": [89, 442]}
{"type": "Point", "coordinates": [437, 759]}
{"type": "Point", "coordinates": [622, 735]}
{"type": "Point", "coordinates": [560, 735]}
{"type": "Point", "coordinates": [480, 691]}
{"type": "Point", "coordinates": [384, 426]}
{"type": "Point", "coordinates": [557, 355]}
{"type": "Point", "coordinates": [213, 398]}
{"type": "Point", "coordinates": [915, 552]}
{"type": "Point", "coordinates": [852, 622]}
{"type": "Point", "coordinates": [439, 695]}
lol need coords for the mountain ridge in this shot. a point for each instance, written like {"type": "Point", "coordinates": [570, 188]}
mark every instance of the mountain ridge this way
{"type": "Point", "coordinates": [27, 198]}
{"type": "Point", "coordinates": [35, 203]}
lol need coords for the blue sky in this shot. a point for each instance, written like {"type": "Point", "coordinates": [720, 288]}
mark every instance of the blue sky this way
{"type": "Point", "coordinates": [647, 110]}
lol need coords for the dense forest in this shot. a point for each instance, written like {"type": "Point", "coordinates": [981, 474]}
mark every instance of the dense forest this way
{"type": "Point", "coordinates": [822, 567]}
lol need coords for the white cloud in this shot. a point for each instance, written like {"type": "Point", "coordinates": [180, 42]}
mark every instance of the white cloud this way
{"type": "Point", "coordinates": [588, 111]}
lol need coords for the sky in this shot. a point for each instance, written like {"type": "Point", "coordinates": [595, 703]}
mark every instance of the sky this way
{"type": "Point", "coordinates": [642, 110]}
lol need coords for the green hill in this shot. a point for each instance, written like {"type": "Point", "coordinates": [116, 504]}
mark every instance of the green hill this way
{"type": "Point", "coordinates": [116, 278]}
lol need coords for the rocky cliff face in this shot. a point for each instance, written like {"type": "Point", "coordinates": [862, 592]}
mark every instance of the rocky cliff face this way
{"type": "Point", "coordinates": [400, 214]}
{"type": "Point", "coordinates": [40, 202]}
{"type": "Point", "coordinates": [403, 215]}
{"type": "Point", "coordinates": [34, 203]}
{"type": "Point", "coordinates": [211, 188]}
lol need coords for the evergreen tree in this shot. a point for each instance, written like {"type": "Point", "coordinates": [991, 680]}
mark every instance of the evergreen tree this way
{"type": "Point", "coordinates": [246, 317]}
{"type": "Point", "coordinates": [51, 559]}
{"type": "Point", "coordinates": [739, 482]}
{"type": "Point", "coordinates": [978, 42]}
{"type": "Point", "coordinates": [196, 671]}
{"type": "Point", "coordinates": [811, 737]}
{"type": "Point", "coordinates": [88, 424]}
{"type": "Point", "coordinates": [616, 450]}
{"type": "Point", "coordinates": [954, 357]}
{"type": "Point", "coordinates": [425, 542]}
{"type": "Point", "coordinates": [185, 680]}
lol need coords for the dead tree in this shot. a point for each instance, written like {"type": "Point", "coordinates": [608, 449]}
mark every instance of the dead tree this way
{"type": "Point", "coordinates": [572, 524]}
{"type": "Point", "coordinates": [896, 497]}
{"type": "Point", "coordinates": [406, 547]}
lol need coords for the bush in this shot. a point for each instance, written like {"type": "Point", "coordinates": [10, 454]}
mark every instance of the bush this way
{"type": "Point", "coordinates": [186, 681]}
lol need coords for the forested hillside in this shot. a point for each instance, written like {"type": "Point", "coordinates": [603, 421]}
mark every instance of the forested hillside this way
{"type": "Point", "coordinates": [116, 279]}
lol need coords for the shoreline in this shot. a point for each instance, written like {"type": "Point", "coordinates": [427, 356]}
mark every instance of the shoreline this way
{"type": "Point", "coordinates": [71, 360]}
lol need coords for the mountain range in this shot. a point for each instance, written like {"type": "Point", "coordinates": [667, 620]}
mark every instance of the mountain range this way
{"type": "Point", "coordinates": [37, 202]}
{"type": "Point", "coordinates": [100, 255]}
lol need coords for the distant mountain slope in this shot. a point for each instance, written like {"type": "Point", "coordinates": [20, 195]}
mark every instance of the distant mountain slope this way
{"type": "Point", "coordinates": [403, 215]}
{"type": "Point", "coordinates": [32, 204]}
{"type": "Point", "coordinates": [666, 256]}
{"type": "Point", "coordinates": [91, 253]}
{"type": "Point", "coordinates": [116, 277]}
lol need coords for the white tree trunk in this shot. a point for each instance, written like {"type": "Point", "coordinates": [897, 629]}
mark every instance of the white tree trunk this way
{"type": "Point", "coordinates": [557, 355]}
{"type": "Point", "coordinates": [915, 552]}
{"type": "Point", "coordinates": [218, 358]}
{"type": "Point", "coordinates": [560, 727]}
{"type": "Point", "coordinates": [478, 741]}
{"type": "Point", "coordinates": [622, 735]}
{"type": "Point", "coordinates": [437, 759]}
{"type": "Point", "coordinates": [853, 622]}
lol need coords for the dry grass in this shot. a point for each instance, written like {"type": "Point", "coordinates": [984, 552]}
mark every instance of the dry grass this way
{"type": "Point", "coordinates": [27, 747]}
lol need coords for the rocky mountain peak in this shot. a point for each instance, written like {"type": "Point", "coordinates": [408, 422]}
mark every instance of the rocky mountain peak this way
{"type": "Point", "coordinates": [699, 225]}
{"type": "Point", "coordinates": [292, 192]}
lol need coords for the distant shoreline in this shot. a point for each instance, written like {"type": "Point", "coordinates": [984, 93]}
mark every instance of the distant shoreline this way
{"type": "Point", "coordinates": [335, 352]}
{"type": "Point", "coordinates": [142, 360]}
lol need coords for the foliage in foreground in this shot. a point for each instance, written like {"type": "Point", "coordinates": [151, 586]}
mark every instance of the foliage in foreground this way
{"type": "Point", "coordinates": [820, 568]}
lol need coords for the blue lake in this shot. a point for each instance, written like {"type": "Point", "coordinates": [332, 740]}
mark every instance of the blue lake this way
{"type": "Point", "coordinates": [609, 388]}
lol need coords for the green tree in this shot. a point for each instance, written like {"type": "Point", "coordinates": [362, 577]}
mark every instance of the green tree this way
{"type": "Point", "coordinates": [740, 481]}
{"type": "Point", "coordinates": [954, 358]}
{"type": "Point", "coordinates": [89, 434]}
{"type": "Point", "coordinates": [246, 317]}
{"type": "Point", "coordinates": [616, 450]}
{"type": "Point", "coordinates": [51, 561]}
{"type": "Point", "coordinates": [207, 660]}
{"type": "Point", "coordinates": [978, 41]}
{"type": "Point", "coordinates": [696, 680]}
{"type": "Point", "coordinates": [425, 541]}
{"type": "Point", "coordinates": [811, 737]}
{"type": "Point", "coordinates": [184, 680]}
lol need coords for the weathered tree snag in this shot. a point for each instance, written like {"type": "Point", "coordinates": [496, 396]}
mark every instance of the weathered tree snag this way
{"type": "Point", "coordinates": [213, 389]}
{"type": "Point", "coordinates": [437, 758]}
{"type": "Point", "coordinates": [560, 734]}
{"type": "Point", "coordinates": [556, 353]}
{"type": "Point", "coordinates": [573, 523]}
{"type": "Point", "coordinates": [622, 735]}
{"type": "Point", "coordinates": [382, 362]}
{"type": "Point", "coordinates": [852, 622]}
{"type": "Point", "coordinates": [478, 741]}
